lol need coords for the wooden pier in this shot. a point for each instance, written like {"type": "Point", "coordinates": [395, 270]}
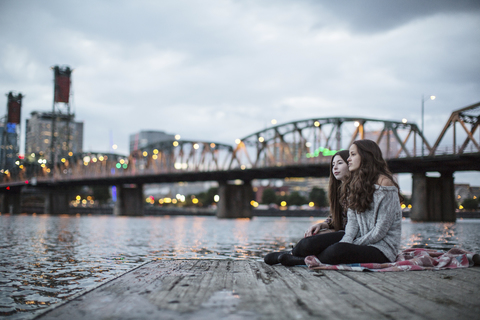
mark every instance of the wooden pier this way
{"type": "Point", "coordinates": [232, 289]}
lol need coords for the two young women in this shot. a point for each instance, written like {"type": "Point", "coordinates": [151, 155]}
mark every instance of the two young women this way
{"type": "Point", "coordinates": [372, 199]}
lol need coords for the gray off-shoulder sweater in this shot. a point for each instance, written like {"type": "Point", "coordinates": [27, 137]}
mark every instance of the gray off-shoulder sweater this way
{"type": "Point", "coordinates": [380, 226]}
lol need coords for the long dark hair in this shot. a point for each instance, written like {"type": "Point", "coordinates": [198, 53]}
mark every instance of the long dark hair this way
{"type": "Point", "coordinates": [357, 191]}
{"type": "Point", "coordinates": [334, 193]}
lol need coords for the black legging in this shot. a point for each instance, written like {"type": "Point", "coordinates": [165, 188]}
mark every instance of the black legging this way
{"type": "Point", "coordinates": [315, 245]}
{"type": "Point", "coordinates": [345, 253]}
{"type": "Point", "coordinates": [329, 250]}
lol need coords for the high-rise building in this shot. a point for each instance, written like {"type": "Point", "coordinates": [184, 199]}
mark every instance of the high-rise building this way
{"type": "Point", "coordinates": [142, 139]}
{"type": "Point", "coordinates": [10, 132]}
{"type": "Point", "coordinates": [38, 137]}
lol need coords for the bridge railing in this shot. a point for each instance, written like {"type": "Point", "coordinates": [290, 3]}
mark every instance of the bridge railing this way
{"type": "Point", "coordinates": [314, 141]}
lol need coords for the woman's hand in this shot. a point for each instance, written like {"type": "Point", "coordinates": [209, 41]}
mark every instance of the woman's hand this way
{"type": "Point", "coordinates": [316, 229]}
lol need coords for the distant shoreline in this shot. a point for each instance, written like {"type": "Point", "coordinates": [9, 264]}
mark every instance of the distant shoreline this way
{"type": "Point", "coordinates": [160, 211]}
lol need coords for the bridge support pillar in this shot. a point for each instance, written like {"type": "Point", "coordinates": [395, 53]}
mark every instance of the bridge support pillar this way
{"type": "Point", "coordinates": [56, 201]}
{"type": "Point", "coordinates": [11, 202]}
{"type": "Point", "coordinates": [234, 200]}
{"type": "Point", "coordinates": [433, 199]}
{"type": "Point", "coordinates": [129, 200]}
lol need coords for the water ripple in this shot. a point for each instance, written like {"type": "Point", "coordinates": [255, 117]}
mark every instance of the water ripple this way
{"type": "Point", "coordinates": [46, 259]}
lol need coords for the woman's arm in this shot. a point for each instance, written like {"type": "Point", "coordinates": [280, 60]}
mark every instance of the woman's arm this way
{"type": "Point", "coordinates": [351, 230]}
{"type": "Point", "coordinates": [316, 228]}
{"type": "Point", "coordinates": [386, 210]}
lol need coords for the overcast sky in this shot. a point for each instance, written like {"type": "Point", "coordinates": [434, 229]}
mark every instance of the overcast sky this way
{"type": "Point", "coordinates": [221, 70]}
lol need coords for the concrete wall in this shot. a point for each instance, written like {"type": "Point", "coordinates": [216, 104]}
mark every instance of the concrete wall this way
{"type": "Point", "coordinates": [235, 200]}
{"type": "Point", "coordinates": [433, 199]}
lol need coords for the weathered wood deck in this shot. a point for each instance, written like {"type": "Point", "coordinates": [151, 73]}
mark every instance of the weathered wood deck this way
{"type": "Point", "coordinates": [225, 289]}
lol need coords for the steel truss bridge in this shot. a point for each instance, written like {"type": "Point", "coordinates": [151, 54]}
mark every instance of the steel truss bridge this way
{"type": "Point", "coordinates": [298, 148]}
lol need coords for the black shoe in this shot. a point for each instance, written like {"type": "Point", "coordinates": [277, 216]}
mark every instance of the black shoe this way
{"type": "Point", "coordinates": [289, 260]}
{"type": "Point", "coordinates": [272, 258]}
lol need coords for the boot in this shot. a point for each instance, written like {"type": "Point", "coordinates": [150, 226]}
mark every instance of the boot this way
{"type": "Point", "coordinates": [290, 260]}
{"type": "Point", "coordinates": [272, 258]}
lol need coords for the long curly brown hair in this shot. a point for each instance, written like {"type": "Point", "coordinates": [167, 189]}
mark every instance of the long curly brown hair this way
{"type": "Point", "coordinates": [357, 192]}
{"type": "Point", "coordinates": [334, 193]}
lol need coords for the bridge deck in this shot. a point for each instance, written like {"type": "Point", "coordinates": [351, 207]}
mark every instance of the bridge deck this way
{"type": "Point", "coordinates": [225, 289]}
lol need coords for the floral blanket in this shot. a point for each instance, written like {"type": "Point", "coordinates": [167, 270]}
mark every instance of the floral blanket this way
{"type": "Point", "coordinates": [409, 259]}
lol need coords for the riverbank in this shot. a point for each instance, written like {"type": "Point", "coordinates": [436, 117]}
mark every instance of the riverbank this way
{"type": "Point", "coordinates": [173, 211]}
{"type": "Point", "coordinates": [226, 289]}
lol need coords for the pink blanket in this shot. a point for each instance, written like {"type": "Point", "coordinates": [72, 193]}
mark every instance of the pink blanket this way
{"type": "Point", "coordinates": [409, 259]}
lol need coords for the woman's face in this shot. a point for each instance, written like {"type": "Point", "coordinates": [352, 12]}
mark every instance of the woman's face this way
{"type": "Point", "coordinates": [339, 168]}
{"type": "Point", "coordinates": [354, 159]}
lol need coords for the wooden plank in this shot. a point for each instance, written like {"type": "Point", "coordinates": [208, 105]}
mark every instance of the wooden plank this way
{"type": "Point", "coordinates": [476, 269]}
{"type": "Point", "coordinates": [358, 295]}
{"type": "Point", "coordinates": [435, 299]}
{"type": "Point", "coordinates": [227, 289]}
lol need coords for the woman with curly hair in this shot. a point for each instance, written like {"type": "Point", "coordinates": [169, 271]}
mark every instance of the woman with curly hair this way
{"type": "Point", "coordinates": [372, 196]}
{"type": "Point", "coordinates": [323, 234]}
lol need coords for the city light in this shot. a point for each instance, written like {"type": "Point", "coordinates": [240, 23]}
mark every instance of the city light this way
{"type": "Point", "coordinates": [283, 203]}
{"type": "Point", "coordinates": [177, 137]}
{"type": "Point", "coordinates": [155, 151]}
{"type": "Point", "coordinates": [274, 121]}
{"type": "Point", "coordinates": [175, 143]}
{"type": "Point", "coordinates": [194, 200]}
{"type": "Point", "coordinates": [311, 204]}
{"type": "Point", "coordinates": [195, 146]}
{"type": "Point", "coordinates": [316, 124]}
{"type": "Point", "coordinates": [145, 153]}
{"type": "Point", "coordinates": [114, 147]}
{"type": "Point", "coordinates": [216, 198]}
{"type": "Point", "coordinates": [321, 150]}
{"type": "Point", "coordinates": [237, 141]}
{"type": "Point", "coordinates": [404, 120]}
{"type": "Point", "coordinates": [261, 139]}
{"type": "Point", "coordinates": [356, 124]}
{"type": "Point", "coordinates": [212, 145]}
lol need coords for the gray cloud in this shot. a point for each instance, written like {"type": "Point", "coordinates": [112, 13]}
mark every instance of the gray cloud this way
{"type": "Point", "coordinates": [370, 16]}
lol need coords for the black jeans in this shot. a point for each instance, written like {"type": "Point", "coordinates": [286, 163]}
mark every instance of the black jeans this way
{"type": "Point", "coordinates": [329, 250]}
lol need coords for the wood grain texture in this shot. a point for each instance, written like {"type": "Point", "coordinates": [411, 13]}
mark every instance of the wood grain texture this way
{"type": "Point", "coordinates": [227, 289]}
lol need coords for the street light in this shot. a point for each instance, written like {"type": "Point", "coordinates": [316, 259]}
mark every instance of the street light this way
{"type": "Point", "coordinates": [423, 103]}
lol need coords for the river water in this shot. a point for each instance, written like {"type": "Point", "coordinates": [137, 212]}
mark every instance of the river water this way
{"type": "Point", "coordinates": [46, 259]}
